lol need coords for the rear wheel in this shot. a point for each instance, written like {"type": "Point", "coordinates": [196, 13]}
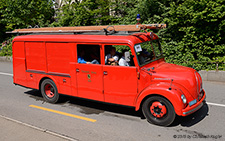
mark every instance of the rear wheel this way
{"type": "Point", "coordinates": [159, 111]}
{"type": "Point", "coordinates": [49, 91]}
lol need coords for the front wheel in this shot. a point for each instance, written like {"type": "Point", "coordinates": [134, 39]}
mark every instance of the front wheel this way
{"type": "Point", "coordinates": [49, 91]}
{"type": "Point", "coordinates": [158, 110]}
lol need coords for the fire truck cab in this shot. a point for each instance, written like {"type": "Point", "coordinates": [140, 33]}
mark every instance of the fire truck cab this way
{"type": "Point", "coordinates": [89, 66]}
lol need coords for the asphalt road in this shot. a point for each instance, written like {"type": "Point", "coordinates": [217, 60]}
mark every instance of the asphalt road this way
{"type": "Point", "coordinates": [86, 120]}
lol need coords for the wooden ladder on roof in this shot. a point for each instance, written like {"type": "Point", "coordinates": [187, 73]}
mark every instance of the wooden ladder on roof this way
{"type": "Point", "coordinates": [81, 29]}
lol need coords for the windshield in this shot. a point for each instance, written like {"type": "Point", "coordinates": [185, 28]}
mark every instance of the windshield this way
{"type": "Point", "coordinates": [148, 52]}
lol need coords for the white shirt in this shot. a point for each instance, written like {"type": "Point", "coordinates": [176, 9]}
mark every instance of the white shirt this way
{"type": "Point", "coordinates": [115, 57]}
{"type": "Point", "coordinates": [123, 62]}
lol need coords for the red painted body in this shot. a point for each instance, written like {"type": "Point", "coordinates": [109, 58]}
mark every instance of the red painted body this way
{"type": "Point", "coordinates": [36, 57]}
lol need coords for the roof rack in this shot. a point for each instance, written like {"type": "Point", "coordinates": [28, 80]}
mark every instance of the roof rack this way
{"type": "Point", "coordinates": [107, 29]}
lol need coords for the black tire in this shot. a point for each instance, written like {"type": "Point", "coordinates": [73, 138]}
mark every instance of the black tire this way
{"type": "Point", "coordinates": [49, 91]}
{"type": "Point", "coordinates": [168, 116]}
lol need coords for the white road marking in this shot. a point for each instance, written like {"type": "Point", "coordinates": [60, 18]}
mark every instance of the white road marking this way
{"type": "Point", "coordinates": [215, 104]}
{"type": "Point", "coordinates": [8, 74]}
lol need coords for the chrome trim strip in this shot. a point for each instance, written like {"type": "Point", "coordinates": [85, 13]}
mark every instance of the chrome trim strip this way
{"type": "Point", "coordinates": [50, 73]}
{"type": "Point", "coordinates": [195, 109]}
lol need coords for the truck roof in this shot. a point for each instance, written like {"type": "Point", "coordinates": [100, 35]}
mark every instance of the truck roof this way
{"type": "Point", "coordinates": [82, 38]}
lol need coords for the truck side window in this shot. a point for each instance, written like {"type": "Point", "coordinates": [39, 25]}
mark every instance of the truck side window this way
{"type": "Point", "coordinates": [117, 55]}
{"type": "Point", "coordinates": [88, 54]}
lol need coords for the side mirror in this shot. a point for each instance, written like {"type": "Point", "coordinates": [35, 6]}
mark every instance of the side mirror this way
{"type": "Point", "coordinates": [127, 56]}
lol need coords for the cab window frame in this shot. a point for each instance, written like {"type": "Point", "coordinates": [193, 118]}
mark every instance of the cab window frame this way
{"type": "Point", "coordinates": [133, 53]}
{"type": "Point", "coordinates": [160, 47]}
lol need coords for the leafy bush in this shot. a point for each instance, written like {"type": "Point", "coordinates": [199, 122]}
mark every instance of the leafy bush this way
{"type": "Point", "coordinates": [194, 36]}
{"type": "Point", "coordinates": [195, 33]}
{"type": "Point", "coordinates": [6, 48]}
{"type": "Point", "coordinates": [16, 14]}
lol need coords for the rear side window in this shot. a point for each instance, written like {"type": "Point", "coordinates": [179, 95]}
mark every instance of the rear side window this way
{"type": "Point", "coordinates": [88, 54]}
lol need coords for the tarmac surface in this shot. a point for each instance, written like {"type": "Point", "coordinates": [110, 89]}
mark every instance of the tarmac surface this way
{"type": "Point", "coordinates": [12, 129]}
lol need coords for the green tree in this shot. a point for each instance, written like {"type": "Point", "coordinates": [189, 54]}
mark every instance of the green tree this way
{"type": "Point", "coordinates": [124, 11]}
{"type": "Point", "coordinates": [85, 12]}
{"type": "Point", "coordinates": [151, 11]}
{"type": "Point", "coordinates": [2, 25]}
{"type": "Point", "coordinates": [6, 48]}
{"type": "Point", "coordinates": [195, 33]}
{"type": "Point", "coordinates": [24, 13]}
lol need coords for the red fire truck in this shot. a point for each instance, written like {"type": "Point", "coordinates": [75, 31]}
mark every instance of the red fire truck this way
{"type": "Point", "coordinates": [109, 64]}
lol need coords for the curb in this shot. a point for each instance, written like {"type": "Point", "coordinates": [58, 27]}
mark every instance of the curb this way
{"type": "Point", "coordinates": [6, 58]}
{"type": "Point", "coordinates": [218, 76]}
{"type": "Point", "coordinates": [39, 129]}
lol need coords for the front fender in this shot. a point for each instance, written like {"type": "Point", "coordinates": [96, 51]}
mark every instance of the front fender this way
{"type": "Point", "coordinates": [162, 89]}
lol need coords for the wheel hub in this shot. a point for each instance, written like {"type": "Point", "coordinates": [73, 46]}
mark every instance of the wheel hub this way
{"type": "Point", "coordinates": [49, 91]}
{"type": "Point", "coordinates": [158, 110]}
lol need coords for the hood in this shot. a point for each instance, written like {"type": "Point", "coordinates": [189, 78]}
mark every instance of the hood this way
{"type": "Point", "coordinates": [187, 79]}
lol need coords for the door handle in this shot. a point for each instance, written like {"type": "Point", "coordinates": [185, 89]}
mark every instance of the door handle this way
{"type": "Point", "coordinates": [77, 70]}
{"type": "Point", "coordinates": [105, 72]}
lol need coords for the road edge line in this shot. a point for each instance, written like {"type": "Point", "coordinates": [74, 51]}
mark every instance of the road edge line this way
{"type": "Point", "coordinates": [40, 129]}
{"type": "Point", "coordinates": [7, 74]}
{"type": "Point", "coordinates": [215, 104]}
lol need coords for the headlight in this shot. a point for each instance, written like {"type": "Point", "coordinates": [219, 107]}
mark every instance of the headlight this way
{"type": "Point", "coordinates": [183, 99]}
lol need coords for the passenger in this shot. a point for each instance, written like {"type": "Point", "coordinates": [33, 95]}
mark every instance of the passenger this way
{"type": "Point", "coordinates": [112, 58]}
{"type": "Point", "coordinates": [95, 54]}
{"type": "Point", "coordinates": [81, 59]}
{"type": "Point", "coordinates": [122, 61]}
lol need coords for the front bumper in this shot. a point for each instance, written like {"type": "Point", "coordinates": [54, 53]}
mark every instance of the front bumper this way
{"type": "Point", "coordinates": [191, 109]}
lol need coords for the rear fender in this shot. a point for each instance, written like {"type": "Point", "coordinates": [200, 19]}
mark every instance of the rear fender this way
{"type": "Point", "coordinates": [162, 89]}
{"type": "Point", "coordinates": [42, 78]}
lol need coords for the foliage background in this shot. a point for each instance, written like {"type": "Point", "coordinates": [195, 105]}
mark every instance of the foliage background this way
{"type": "Point", "coordinates": [194, 35]}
